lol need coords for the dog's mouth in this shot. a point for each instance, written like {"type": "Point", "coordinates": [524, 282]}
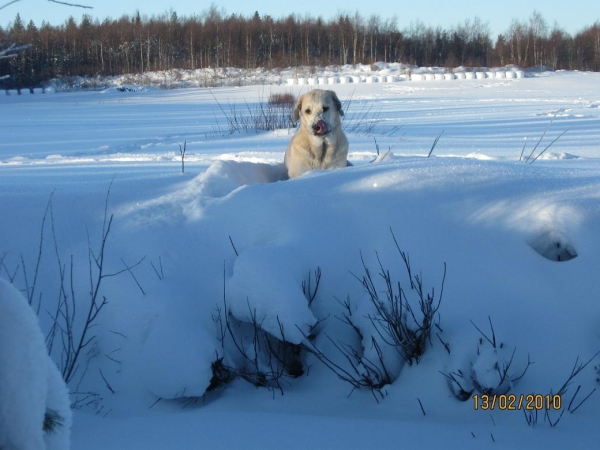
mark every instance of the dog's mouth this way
{"type": "Point", "coordinates": [320, 128]}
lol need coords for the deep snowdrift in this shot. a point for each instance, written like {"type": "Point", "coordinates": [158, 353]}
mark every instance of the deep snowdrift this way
{"type": "Point", "coordinates": [488, 221]}
{"type": "Point", "coordinates": [230, 234]}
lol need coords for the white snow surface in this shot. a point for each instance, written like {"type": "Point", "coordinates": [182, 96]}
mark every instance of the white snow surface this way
{"type": "Point", "coordinates": [232, 233]}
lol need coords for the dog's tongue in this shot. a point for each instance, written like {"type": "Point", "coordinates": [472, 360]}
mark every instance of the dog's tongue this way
{"type": "Point", "coordinates": [321, 127]}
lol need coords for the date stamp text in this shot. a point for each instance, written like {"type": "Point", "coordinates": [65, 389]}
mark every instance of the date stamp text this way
{"type": "Point", "coordinates": [515, 402]}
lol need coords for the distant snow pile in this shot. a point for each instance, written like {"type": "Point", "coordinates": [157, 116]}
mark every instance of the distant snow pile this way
{"type": "Point", "coordinates": [380, 72]}
{"type": "Point", "coordinates": [126, 88]}
{"type": "Point", "coordinates": [35, 412]}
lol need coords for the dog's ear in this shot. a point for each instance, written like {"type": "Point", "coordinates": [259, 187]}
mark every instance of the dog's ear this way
{"type": "Point", "coordinates": [336, 101]}
{"type": "Point", "coordinates": [297, 109]}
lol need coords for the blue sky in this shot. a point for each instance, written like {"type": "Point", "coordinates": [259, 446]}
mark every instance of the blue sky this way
{"type": "Point", "coordinates": [571, 15]}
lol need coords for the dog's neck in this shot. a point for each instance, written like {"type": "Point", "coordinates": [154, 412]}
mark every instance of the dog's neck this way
{"type": "Point", "coordinates": [323, 151]}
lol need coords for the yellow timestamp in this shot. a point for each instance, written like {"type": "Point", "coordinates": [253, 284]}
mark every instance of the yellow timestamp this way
{"type": "Point", "coordinates": [514, 402]}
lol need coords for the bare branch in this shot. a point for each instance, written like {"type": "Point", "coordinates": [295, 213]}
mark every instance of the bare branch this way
{"type": "Point", "coordinates": [129, 269]}
{"type": "Point", "coordinates": [106, 382]}
{"type": "Point", "coordinates": [581, 402]}
{"type": "Point", "coordinates": [75, 5]}
{"type": "Point", "coordinates": [11, 52]}
{"type": "Point", "coordinates": [543, 134]}
{"type": "Point", "coordinates": [523, 149]}
{"type": "Point", "coordinates": [182, 153]}
{"type": "Point", "coordinates": [160, 274]}
{"type": "Point", "coordinates": [549, 145]}
{"type": "Point", "coordinates": [492, 341]}
{"type": "Point", "coordinates": [437, 138]}
{"type": "Point", "coordinates": [233, 245]}
{"type": "Point", "coordinates": [9, 3]}
{"type": "Point", "coordinates": [307, 288]}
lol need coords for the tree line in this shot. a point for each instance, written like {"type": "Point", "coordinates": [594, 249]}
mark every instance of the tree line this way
{"type": "Point", "coordinates": [136, 44]}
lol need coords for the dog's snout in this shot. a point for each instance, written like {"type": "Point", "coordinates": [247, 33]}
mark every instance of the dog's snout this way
{"type": "Point", "coordinates": [320, 128]}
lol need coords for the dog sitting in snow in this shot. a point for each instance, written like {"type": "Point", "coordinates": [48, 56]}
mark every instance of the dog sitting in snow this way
{"type": "Point", "coordinates": [320, 142]}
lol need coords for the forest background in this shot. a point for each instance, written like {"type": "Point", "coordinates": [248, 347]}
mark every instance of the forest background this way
{"type": "Point", "coordinates": [137, 44]}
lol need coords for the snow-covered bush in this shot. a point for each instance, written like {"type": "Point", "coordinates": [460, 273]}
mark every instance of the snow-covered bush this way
{"type": "Point", "coordinates": [265, 317]}
{"type": "Point", "coordinates": [253, 354]}
{"type": "Point", "coordinates": [494, 369]}
{"type": "Point", "coordinates": [260, 326]}
{"type": "Point", "coordinates": [393, 322]}
{"type": "Point", "coordinates": [35, 412]}
{"type": "Point", "coordinates": [394, 318]}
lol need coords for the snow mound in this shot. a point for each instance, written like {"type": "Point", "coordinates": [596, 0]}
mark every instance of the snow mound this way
{"type": "Point", "coordinates": [57, 401]}
{"type": "Point", "coordinates": [177, 355]}
{"type": "Point", "coordinates": [189, 200]}
{"type": "Point", "coordinates": [496, 369]}
{"type": "Point", "coordinates": [223, 177]}
{"type": "Point", "coordinates": [30, 384]}
{"type": "Point", "coordinates": [267, 284]}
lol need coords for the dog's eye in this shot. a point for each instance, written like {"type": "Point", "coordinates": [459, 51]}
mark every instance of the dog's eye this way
{"type": "Point", "coordinates": [307, 111]}
{"type": "Point", "coordinates": [325, 108]}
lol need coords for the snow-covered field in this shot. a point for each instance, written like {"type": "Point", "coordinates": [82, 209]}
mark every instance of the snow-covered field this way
{"type": "Point", "coordinates": [226, 229]}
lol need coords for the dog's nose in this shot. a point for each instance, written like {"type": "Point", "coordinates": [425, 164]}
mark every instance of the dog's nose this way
{"type": "Point", "coordinates": [320, 128]}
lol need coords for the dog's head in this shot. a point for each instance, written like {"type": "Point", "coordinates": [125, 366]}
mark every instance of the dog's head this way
{"type": "Point", "coordinates": [319, 111]}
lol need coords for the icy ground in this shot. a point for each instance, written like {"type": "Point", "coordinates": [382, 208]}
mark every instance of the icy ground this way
{"type": "Point", "coordinates": [498, 223]}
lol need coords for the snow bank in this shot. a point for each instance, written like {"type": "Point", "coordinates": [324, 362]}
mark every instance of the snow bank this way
{"type": "Point", "coordinates": [267, 284]}
{"type": "Point", "coordinates": [30, 384]}
{"type": "Point", "coordinates": [219, 180]}
{"type": "Point", "coordinates": [269, 244]}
